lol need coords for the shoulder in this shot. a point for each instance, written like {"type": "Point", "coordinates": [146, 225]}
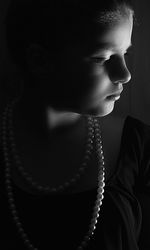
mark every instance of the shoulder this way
{"type": "Point", "coordinates": [137, 121]}
{"type": "Point", "coordinates": [137, 137]}
{"type": "Point", "coordinates": [128, 121]}
{"type": "Point", "coordinates": [139, 126]}
{"type": "Point", "coordinates": [130, 128]}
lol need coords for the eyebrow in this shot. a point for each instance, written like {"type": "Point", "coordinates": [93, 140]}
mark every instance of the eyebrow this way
{"type": "Point", "coordinates": [108, 46]}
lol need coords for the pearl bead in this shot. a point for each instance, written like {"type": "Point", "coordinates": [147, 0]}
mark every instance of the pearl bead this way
{"type": "Point", "coordinates": [13, 144]}
{"type": "Point", "coordinates": [80, 248]}
{"type": "Point", "coordinates": [26, 241]}
{"type": "Point", "coordinates": [18, 224]}
{"type": "Point", "coordinates": [8, 181]}
{"type": "Point", "coordinates": [90, 134]}
{"type": "Point", "coordinates": [97, 131]}
{"type": "Point", "coordinates": [101, 184]}
{"type": "Point", "coordinates": [91, 129]}
{"type": "Point", "coordinates": [15, 218]}
{"type": "Point", "coordinates": [14, 212]}
{"type": "Point", "coordinates": [96, 209]}
{"type": "Point", "coordinates": [16, 157]}
{"type": "Point", "coordinates": [6, 156]}
{"type": "Point", "coordinates": [66, 184]}
{"type": "Point", "coordinates": [88, 152]}
{"type": "Point", "coordinates": [23, 234]}
{"type": "Point", "coordinates": [73, 180]}
{"type": "Point", "coordinates": [60, 188]}
{"type": "Point", "coordinates": [99, 196]}
{"type": "Point", "coordinates": [101, 172]}
{"type": "Point", "coordinates": [101, 178]}
{"type": "Point", "coordinates": [100, 190]}
{"type": "Point", "coordinates": [96, 215]}
{"type": "Point", "coordinates": [54, 190]}
{"type": "Point", "coordinates": [89, 140]}
{"type": "Point", "coordinates": [9, 193]}
{"type": "Point", "coordinates": [84, 164]}
{"type": "Point", "coordinates": [12, 206]}
{"type": "Point", "coordinates": [40, 188]}
{"type": "Point", "coordinates": [10, 199]}
{"type": "Point", "coordinates": [77, 176]}
{"type": "Point", "coordinates": [81, 170]}
{"type": "Point", "coordinates": [86, 238]}
{"type": "Point", "coordinates": [89, 147]}
{"type": "Point", "coordinates": [46, 189]}
{"type": "Point", "coordinates": [93, 227]}
{"type": "Point", "coordinates": [28, 178]}
{"type": "Point", "coordinates": [9, 188]}
{"type": "Point", "coordinates": [94, 221]}
{"type": "Point", "coordinates": [20, 168]}
{"type": "Point", "coordinates": [84, 243]}
{"type": "Point", "coordinates": [86, 158]}
{"type": "Point", "coordinates": [4, 145]}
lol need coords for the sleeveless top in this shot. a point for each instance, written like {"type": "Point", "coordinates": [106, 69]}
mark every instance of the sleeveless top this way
{"type": "Point", "coordinates": [61, 221]}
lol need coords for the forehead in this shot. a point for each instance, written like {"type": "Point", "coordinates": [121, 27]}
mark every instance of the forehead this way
{"type": "Point", "coordinates": [115, 36]}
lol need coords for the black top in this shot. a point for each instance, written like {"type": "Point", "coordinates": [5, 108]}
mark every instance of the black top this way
{"type": "Point", "coordinates": [60, 221]}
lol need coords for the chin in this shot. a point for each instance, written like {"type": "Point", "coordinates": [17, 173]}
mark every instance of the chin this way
{"type": "Point", "coordinates": [98, 111]}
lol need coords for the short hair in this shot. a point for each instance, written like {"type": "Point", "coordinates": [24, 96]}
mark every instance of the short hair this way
{"type": "Point", "coordinates": [55, 24]}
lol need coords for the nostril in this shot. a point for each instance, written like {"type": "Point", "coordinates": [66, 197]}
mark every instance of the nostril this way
{"type": "Point", "coordinates": [125, 79]}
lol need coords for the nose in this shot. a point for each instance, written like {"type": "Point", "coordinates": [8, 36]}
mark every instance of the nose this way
{"type": "Point", "coordinates": [118, 71]}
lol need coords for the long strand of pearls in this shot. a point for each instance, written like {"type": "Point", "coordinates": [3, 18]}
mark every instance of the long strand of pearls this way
{"type": "Point", "coordinates": [101, 177]}
{"type": "Point", "coordinates": [29, 179]}
{"type": "Point", "coordinates": [101, 184]}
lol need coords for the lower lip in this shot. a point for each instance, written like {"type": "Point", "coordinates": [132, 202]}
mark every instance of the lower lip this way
{"type": "Point", "coordinates": [113, 98]}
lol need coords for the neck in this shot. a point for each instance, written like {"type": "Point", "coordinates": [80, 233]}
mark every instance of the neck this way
{"type": "Point", "coordinates": [39, 118]}
{"type": "Point", "coordinates": [56, 119]}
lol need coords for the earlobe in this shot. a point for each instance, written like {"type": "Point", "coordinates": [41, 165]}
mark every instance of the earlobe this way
{"type": "Point", "coordinates": [38, 60]}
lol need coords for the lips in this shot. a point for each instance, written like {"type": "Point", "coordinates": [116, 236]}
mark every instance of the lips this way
{"type": "Point", "coordinates": [116, 94]}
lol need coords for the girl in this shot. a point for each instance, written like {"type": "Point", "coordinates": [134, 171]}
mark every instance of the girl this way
{"type": "Point", "coordinates": [69, 172]}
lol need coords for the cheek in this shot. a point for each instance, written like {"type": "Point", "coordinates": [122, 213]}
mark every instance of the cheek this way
{"type": "Point", "coordinates": [79, 79]}
{"type": "Point", "coordinates": [73, 77]}
{"type": "Point", "coordinates": [97, 80]}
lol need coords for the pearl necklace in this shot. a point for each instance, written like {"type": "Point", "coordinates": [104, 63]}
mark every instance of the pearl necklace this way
{"type": "Point", "coordinates": [8, 182]}
{"type": "Point", "coordinates": [27, 177]}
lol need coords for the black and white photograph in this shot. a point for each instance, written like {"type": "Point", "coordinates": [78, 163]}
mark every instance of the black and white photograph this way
{"type": "Point", "coordinates": [74, 125]}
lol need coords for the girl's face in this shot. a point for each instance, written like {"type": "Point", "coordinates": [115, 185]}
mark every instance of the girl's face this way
{"type": "Point", "coordinates": [84, 82]}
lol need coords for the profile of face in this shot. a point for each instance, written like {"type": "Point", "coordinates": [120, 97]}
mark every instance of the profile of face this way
{"type": "Point", "coordinates": [83, 82]}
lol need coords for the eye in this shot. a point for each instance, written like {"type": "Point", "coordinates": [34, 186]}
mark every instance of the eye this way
{"type": "Point", "coordinates": [99, 60]}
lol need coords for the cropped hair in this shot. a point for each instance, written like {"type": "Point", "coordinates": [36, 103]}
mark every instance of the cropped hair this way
{"type": "Point", "coordinates": [55, 24]}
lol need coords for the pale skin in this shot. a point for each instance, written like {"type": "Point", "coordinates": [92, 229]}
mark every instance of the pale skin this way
{"type": "Point", "coordinates": [48, 136]}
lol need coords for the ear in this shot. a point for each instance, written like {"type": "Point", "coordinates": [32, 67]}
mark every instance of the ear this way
{"type": "Point", "coordinates": [38, 60]}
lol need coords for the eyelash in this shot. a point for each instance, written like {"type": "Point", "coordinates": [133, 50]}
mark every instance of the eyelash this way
{"type": "Point", "coordinates": [102, 60]}
{"type": "Point", "coordinates": [99, 60]}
